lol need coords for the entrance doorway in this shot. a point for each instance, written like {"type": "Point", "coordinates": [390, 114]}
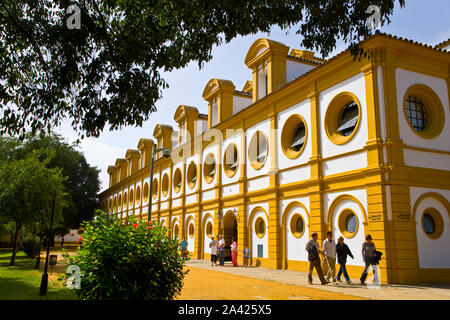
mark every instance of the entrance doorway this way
{"type": "Point", "coordinates": [230, 231]}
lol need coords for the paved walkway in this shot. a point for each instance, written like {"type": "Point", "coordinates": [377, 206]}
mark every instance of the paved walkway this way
{"type": "Point", "coordinates": [384, 292]}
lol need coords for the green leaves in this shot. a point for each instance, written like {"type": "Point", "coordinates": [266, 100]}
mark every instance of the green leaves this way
{"type": "Point", "coordinates": [108, 72]}
{"type": "Point", "coordinates": [128, 260]}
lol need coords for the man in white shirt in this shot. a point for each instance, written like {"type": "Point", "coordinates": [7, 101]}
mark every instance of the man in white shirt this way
{"type": "Point", "coordinates": [329, 254]}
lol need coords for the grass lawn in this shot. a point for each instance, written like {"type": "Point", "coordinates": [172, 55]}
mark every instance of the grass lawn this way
{"type": "Point", "coordinates": [22, 281]}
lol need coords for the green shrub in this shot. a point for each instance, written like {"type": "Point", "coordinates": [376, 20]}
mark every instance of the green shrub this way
{"type": "Point", "coordinates": [30, 247]}
{"type": "Point", "coordinates": [127, 260]}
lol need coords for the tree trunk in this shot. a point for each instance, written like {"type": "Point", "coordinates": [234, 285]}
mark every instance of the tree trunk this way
{"type": "Point", "coordinates": [16, 243]}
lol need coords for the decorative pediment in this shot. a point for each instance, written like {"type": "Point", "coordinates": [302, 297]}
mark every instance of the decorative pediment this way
{"type": "Point", "coordinates": [144, 143]}
{"type": "Point", "coordinates": [111, 169]}
{"type": "Point", "coordinates": [215, 86]}
{"type": "Point", "coordinates": [185, 111]}
{"type": "Point", "coordinates": [162, 129]}
{"type": "Point", "coordinates": [132, 153]}
{"type": "Point", "coordinates": [120, 161]}
{"type": "Point", "coordinates": [262, 48]}
{"type": "Point", "coordinates": [248, 86]}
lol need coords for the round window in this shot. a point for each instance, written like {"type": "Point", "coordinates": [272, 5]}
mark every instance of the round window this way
{"type": "Point", "coordinates": [209, 168]}
{"type": "Point", "coordinates": [175, 231]}
{"type": "Point", "coordinates": [423, 111]}
{"type": "Point", "coordinates": [191, 230]}
{"type": "Point", "coordinates": [428, 224]}
{"type": "Point", "coordinates": [257, 151]}
{"type": "Point", "coordinates": [192, 175]}
{"type": "Point", "coordinates": [342, 118]}
{"type": "Point", "coordinates": [119, 203]}
{"type": "Point", "coordinates": [125, 200]}
{"type": "Point", "coordinates": [165, 185]}
{"type": "Point", "coordinates": [348, 223]}
{"type": "Point", "coordinates": [209, 229]}
{"type": "Point", "coordinates": [293, 136]}
{"type": "Point", "coordinates": [138, 194]}
{"type": "Point", "coordinates": [230, 160]}
{"type": "Point", "coordinates": [146, 192]}
{"type": "Point", "coordinates": [155, 188]}
{"type": "Point", "coordinates": [416, 113]}
{"type": "Point", "coordinates": [297, 225]}
{"type": "Point", "coordinates": [131, 197]}
{"type": "Point", "coordinates": [432, 223]}
{"type": "Point", "coordinates": [177, 180]}
{"type": "Point", "coordinates": [260, 227]}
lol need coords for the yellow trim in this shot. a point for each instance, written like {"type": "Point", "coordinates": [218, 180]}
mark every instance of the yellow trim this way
{"type": "Point", "coordinates": [286, 136]}
{"type": "Point", "coordinates": [138, 195]}
{"type": "Point", "coordinates": [252, 157]}
{"type": "Point", "coordinates": [433, 107]}
{"type": "Point", "coordinates": [333, 114]}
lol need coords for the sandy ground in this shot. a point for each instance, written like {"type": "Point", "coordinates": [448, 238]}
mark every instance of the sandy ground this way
{"type": "Point", "coordinates": [204, 282]}
{"type": "Point", "coordinates": [439, 291]}
{"type": "Point", "coordinates": [201, 284]}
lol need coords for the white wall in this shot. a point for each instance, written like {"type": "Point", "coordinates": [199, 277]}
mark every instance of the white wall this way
{"type": "Point", "coordinates": [295, 247]}
{"type": "Point", "coordinates": [432, 253]}
{"type": "Point", "coordinates": [240, 103]}
{"type": "Point", "coordinates": [356, 86]}
{"type": "Point", "coordinates": [404, 80]}
{"type": "Point", "coordinates": [296, 69]}
{"type": "Point", "coordinates": [354, 243]}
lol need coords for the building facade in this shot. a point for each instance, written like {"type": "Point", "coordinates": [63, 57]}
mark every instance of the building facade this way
{"type": "Point", "coordinates": [308, 145]}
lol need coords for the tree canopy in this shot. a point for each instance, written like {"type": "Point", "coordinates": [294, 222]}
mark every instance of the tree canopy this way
{"type": "Point", "coordinates": [109, 70]}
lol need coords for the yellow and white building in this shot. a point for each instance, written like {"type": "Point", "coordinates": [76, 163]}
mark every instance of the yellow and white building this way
{"type": "Point", "coordinates": [309, 145]}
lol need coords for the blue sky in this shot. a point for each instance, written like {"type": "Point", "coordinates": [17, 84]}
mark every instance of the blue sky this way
{"type": "Point", "coordinates": [423, 21]}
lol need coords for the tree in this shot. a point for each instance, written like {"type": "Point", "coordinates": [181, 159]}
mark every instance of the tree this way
{"type": "Point", "coordinates": [127, 261]}
{"type": "Point", "coordinates": [27, 187]}
{"type": "Point", "coordinates": [108, 70]}
{"type": "Point", "coordinates": [82, 183]}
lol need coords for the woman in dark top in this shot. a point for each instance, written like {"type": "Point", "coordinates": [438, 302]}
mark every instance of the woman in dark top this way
{"type": "Point", "coordinates": [342, 250]}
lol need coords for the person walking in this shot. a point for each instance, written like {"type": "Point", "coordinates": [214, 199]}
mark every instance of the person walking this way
{"type": "Point", "coordinates": [343, 251]}
{"type": "Point", "coordinates": [221, 249]}
{"type": "Point", "coordinates": [234, 252]}
{"type": "Point", "coordinates": [183, 248]}
{"type": "Point", "coordinates": [213, 246]}
{"type": "Point", "coordinates": [368, 254]}
{"type": "Point", "coordinates": [329, 256]}
{"type": "Point", "coordinates": [246, 255]}
{"type": "Point", "coordinates": [314, 260]}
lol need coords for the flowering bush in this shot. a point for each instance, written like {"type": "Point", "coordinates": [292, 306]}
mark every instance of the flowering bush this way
{"type": "Point", "coordinates": [129, 259]}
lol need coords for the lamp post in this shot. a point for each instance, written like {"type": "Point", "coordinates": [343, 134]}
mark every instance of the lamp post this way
{"type": "Point", "coordinates": [166, 153]}
{"type": "Point", "coordinates": [44, 280]}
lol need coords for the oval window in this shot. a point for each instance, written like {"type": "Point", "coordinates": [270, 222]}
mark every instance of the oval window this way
{"type": "Point", "coordinates": [192, 175]}
{"type": "Point", "coordinates": [348, 119]}
{"type": "Point", "coordinates": [428, 224]}
{"type": "Point", "coordinates": [230, 160]}
{"type": "Point", "coordinates": [297, 225]}
{"type": "Point", "coordinates": [209, 168]}
{"type": "Point", "coordinates": [257, 152]}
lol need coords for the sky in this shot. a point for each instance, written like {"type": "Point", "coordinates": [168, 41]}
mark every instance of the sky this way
{"type": "Point", "coordinates": [422, 21]}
